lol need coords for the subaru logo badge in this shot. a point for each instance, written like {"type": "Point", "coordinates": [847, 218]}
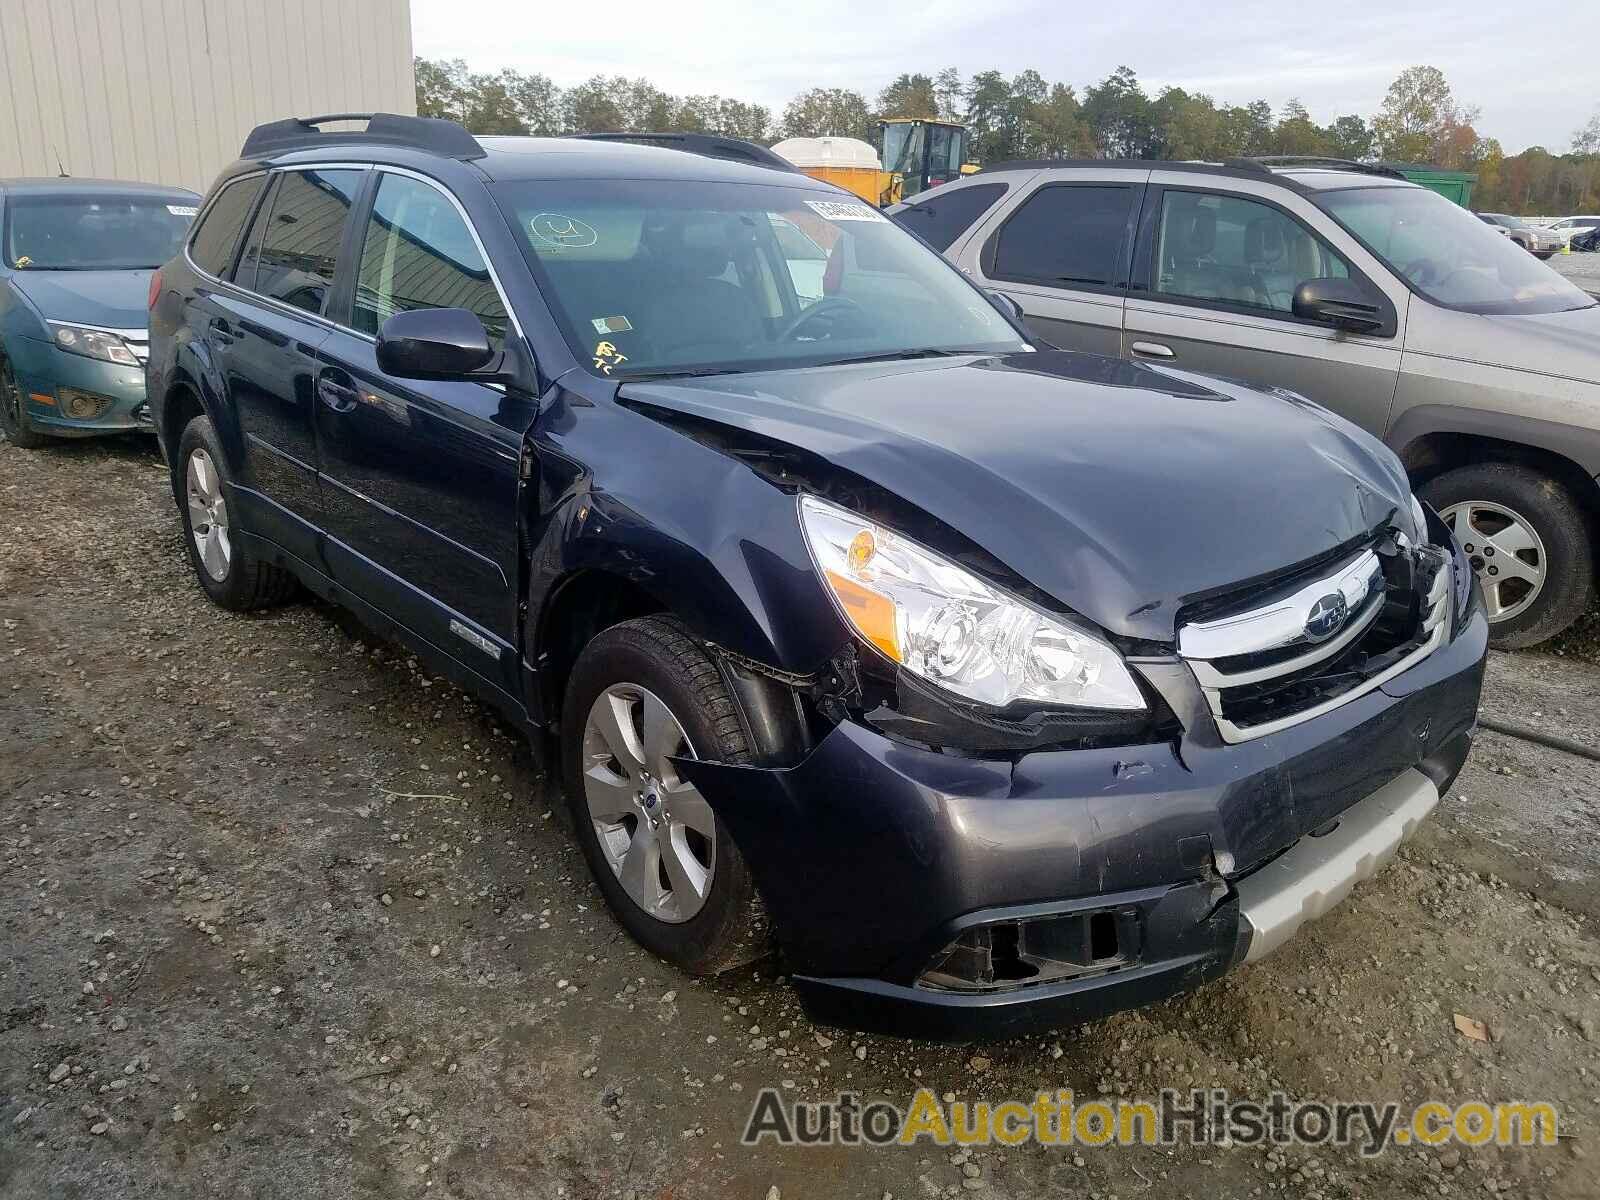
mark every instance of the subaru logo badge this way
{"type": "Point", "coordinates": [1327, 617]}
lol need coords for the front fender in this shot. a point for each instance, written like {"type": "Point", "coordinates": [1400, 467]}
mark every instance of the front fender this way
{"type": "Point", "coordinates": [698, 530]}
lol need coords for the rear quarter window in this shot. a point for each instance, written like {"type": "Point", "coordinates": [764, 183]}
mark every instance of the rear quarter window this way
{"type": "Point", "coordinates": [942, 216]}
{"type": "Point", "coordinates": [217, 236]}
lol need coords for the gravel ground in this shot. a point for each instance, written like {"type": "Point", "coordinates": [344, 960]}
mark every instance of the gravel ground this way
{"type": "Point", "coordinates": [286, 917]}
{"type": "Point", "coordinates": [1582, 269]}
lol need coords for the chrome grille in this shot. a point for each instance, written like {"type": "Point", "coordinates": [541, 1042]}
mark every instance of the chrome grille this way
{"type": "Point", "coordinates": [1296, 655]}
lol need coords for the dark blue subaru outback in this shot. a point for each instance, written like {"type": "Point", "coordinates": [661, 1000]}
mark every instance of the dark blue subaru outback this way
{"type": "Point", "coordinates": [999, 686]}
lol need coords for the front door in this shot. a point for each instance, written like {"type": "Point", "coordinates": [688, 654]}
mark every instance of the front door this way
{"type": "Point", "coordinates": [1213, 291]}
{"type": "Point", "coordinates": [419, 478]}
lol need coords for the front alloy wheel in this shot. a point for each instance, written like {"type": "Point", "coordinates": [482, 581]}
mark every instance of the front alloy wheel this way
{"type": "Point", "coordinates": [641, 694]}
{"type": "Point", "coordinates": [655, 830]}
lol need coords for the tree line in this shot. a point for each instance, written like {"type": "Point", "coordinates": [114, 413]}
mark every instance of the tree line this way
{"type": "Point", "coordinates": [1027, 116]}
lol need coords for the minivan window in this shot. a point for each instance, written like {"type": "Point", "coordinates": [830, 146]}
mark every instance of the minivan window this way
{"type": "Point", "coordinates": [217, 235]}
{"type": "Point", "coordinates": [99, 231]}
{"type": "Point", "coordinates": [1448, 255]}
{"type": "Point", "coordinates": [652, 276]}
{"type": "Point", "coordinates": [1237, 251]}
{"type": "Point", "coordinates": [419, 253]}
{"type": "Point", "coordinates": [940, 217]}
{"type": "Point", "coordinates": [1065, 235]}
{"type": "Point", "coordinates": [293, 257]}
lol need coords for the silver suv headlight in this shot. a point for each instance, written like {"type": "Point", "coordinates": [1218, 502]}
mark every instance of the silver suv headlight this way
{"type": "Point", "coordinates": [947, 626]}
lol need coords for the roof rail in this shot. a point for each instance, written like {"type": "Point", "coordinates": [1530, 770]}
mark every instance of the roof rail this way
{"type": "Point", "coordinates": [1317, 160]}
{"type": "Point", "coordinates": [709, 144]}
{"type": "Point", "coordinates": [421, 133]}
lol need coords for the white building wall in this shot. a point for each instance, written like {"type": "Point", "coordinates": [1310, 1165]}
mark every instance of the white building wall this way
{"type": "Point", "coordinates": [164, 91]}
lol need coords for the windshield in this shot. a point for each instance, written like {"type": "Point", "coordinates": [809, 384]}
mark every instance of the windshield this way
{"type": "Point", "coordinates": [94, 233]}
{"type": "Point", "coordinates": [1448, 255]}
{"type": "Point", "coordinates": [666, 276]}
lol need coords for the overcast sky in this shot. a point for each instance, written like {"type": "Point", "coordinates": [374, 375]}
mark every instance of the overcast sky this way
{"type": "Point", "coordinates": [1533, 70]}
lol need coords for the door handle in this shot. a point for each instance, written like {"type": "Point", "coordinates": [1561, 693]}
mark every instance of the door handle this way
{"type": "Point", "coordinates": [1152, 350]}
{"type": "Point", "coordinates": [337, 396]}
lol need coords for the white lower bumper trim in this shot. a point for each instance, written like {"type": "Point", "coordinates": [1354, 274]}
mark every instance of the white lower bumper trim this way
{"type": "Point", "coordinates": [1317, 873]}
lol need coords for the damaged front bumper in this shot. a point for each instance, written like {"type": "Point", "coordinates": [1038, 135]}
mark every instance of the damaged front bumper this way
{"type": "Point", "coordinates": [929, 894]}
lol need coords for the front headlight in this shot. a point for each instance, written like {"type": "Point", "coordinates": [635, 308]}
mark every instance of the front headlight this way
{"type": "Point", "coordinates": [1419, 520]}
{"type": "Point", "coordinates": [945, 625]}
{"type": "Point", "coordinates": [94, 343]}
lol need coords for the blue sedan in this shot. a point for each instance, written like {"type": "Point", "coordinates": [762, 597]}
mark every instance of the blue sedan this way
{"type": "Point", "coordinates": [76, 257]}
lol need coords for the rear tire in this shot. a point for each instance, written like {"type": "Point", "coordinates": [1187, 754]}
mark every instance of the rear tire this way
{"type": "Point", "coordinates": [1502, 514]}
{"type": "Point", "coordinates": [627, 801]}
{"type": "Point", "coordinates": [14, 421]}
{"type": "Point", "coordinates": [227, 570]}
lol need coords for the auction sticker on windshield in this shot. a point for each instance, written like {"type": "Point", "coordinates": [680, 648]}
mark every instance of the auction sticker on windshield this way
{"type": "Point", "coordinates": [839, 210]}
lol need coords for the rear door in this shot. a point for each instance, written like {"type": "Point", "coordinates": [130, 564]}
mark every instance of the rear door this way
{"type": "Point", "coordinates": [420, 478]}
{"type": "Point", "coordinates": [265, 333]}
{"type": "Point", "coordinates": [1062, 251]}
{"type": "Point", "coordinates": [1213, 288]}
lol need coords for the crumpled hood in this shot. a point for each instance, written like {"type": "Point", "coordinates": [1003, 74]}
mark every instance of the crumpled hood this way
{"type": "Point", "coordinates": [113, 299]}
{"type": "Point", "coordinates": [1121, 489]}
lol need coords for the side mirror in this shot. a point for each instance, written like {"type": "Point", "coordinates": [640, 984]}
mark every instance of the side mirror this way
{"type": "Point", "coordinates": [437, 343]}
{"type": "Point", "coordinates": [1006, 305]}
{"type": "Point", "coordinates": [1342, 303]}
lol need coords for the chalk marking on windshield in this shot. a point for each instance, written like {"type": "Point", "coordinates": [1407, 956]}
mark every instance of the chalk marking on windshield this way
{"type": "Point", "coordinates": [607, 356]}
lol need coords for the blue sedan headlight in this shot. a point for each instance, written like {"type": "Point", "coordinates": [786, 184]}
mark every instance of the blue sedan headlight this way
{"type": "Point", "coordinates": [93, 343]}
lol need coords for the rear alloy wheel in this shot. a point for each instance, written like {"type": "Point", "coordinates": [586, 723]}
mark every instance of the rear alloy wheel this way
{"type": "Point", "coordinates": [208, 514]}
{"type": "Point", "coordinates": [230, 574]}
{"type": "Point", "coordinates": [641, 694]}
{"type": "Point", "coordinates": [1528, 542]}
{"type": "Point", "coordinates": [14, 421]}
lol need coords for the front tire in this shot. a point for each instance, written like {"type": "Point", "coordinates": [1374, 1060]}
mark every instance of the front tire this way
{"type": "Point", "coordinates": [641, 693]}
{"type": "Point", "coordinates": [1528, 540]}
{"type": "Point", "coordinates": [233, 576]}
{"type": "Point", "coordinates": [14, 421]}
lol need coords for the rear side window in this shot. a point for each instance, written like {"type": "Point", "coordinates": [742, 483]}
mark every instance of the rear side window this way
{"type": "Point", "coordinates": [1065, 235]}
{"type": "Point", "coordinates": [940, 217]}
{"type": "Point", "coordinates": [217, 236]}
{"type": "Point", "coordinates": [294, 244]}
{"type": "Point", "coordinates": [419, 253]}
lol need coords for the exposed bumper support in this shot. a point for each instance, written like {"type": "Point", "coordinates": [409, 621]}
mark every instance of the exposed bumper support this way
{"type": "Point", "coordinates": [1318, 872]}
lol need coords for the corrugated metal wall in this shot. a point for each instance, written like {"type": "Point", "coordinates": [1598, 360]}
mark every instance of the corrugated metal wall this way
{"type": "Point", "coordinates": [165, 90]}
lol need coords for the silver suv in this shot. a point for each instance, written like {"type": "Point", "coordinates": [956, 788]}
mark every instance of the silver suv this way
{"type": "Point", "coordinates": [1477, 364]}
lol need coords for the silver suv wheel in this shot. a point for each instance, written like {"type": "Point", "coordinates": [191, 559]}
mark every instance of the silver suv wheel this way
{"type": "Point", "coordinates": [1506, 552]}
{"type": "Point", "coordinates": [655, 830]}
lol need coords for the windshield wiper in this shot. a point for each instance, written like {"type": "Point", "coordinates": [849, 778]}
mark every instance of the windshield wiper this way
{"type": "Point", "coordinates": [893, 355]}
{"type": "Point", "coordinates": [685, 373]}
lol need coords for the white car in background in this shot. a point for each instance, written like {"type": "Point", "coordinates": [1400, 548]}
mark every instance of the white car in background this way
{"type": "Point", "coordinates": [1568, 227]}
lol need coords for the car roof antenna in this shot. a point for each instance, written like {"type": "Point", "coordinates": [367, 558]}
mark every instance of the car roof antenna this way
{"type": "Point", "coordinates": [59, 165]}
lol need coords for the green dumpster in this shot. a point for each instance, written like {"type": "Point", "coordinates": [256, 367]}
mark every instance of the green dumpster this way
{"type": "Point", "coordinates": [1452, 185]}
